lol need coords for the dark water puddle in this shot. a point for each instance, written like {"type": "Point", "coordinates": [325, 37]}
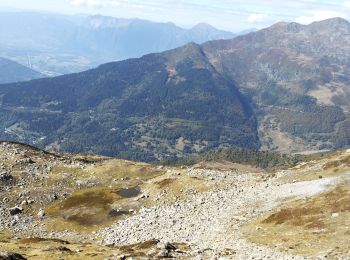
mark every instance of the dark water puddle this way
{"type": "Point", "coordinates": [116, 213]}
{"type": "Point", "coordinates": [129, 192]}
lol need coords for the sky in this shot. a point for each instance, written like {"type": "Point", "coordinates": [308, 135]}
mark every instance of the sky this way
{"type": "Point", "coordinates": [231, 15]}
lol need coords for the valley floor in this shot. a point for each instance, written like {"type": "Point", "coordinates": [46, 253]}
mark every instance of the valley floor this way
{"type": "Point", "coordinates": [84, 206]}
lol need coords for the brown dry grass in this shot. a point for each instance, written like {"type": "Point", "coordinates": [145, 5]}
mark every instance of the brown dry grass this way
{"type": "Point", "coordinates": [334, 164]}
{"type": "Point", "coordinates": [319, 225]}
{"type": "Point", "coordinates": [227, 166]}
{"type": "Point", "coordinates": [38, 249]}
{"type": "Point", "coordinates": [87, 209]}
{"type": "Point", "coordinates": [165, 183]}
{"type": "Point", "coordinates": [299, 216]}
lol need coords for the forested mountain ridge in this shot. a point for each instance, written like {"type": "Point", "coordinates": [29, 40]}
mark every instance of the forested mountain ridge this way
{"type": "Point", "coordinates": [266, 90]}
{"type": "Point", "coordinates": [148, 108]}
{"type": "Point", "coordinates": [297, 78]}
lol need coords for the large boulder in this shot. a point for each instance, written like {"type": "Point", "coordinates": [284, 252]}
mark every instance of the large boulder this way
{"type": "Point", "coordinates": [5, 177]}
{"type": "Point", "coordinates": [15, 210]}
{"type": "Point", "coordinates": [11, 256]}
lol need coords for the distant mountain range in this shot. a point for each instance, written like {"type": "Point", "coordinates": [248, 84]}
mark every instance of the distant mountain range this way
{"type": "Point", "coordinates": [11, 71]}
{"type": "Point", "coordinates": [58, 44]}
{"type": "Point", "coordinates": [283, 88]}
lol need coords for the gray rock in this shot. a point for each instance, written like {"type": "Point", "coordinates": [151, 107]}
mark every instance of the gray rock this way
{"type": "Point", "coordinates": [29, 161]}
{"type": "Point", "coordinates": [41, 213]}
{"type": "Point", "coordinates": [163, 253]}
{"type": "Point", "coordinates": [5, 176]}
{"type": "Point", "coordinates": [11, 256]}
{"type": "Point", "coordinates": [52, 197]}
{"type": "Point", "coordinates": [167, 246]}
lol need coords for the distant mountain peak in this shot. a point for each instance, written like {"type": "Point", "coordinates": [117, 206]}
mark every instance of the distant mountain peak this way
{"type": "Point", "coordinates": [331, 22]}
{"type": "Point", "coordinates": [279, 24]}
{"type": "Point", "coordinates": [284, 26]}
{"type": "Point", "coordinates": [207, 28]}
{"type": "Point", "coordinates": [191, 51]}
{"type": "Point", "coordinates": [100, 21]}
{"type": "Point", "coordinates": [205, 31]}
{"type": "Point", "coordinates": [336, 21]}
{"type": "Point", "coordinates": [204, 26]}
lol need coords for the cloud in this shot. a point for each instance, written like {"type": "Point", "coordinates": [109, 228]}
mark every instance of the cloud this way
{"type": "Point", "coordinates": [319, 16]}
{"type": "Point", "coordinates": [256, 18]}
{"type": "Point", "coordinates": [88, 3]}
{"type": "Point", "coordinates": [94, 3]}
{"type": "Point", "coordinates": [232, 15]}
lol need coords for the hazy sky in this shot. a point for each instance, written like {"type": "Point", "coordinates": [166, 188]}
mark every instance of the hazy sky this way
{"type": "Point", "coordinates": [230, 15]}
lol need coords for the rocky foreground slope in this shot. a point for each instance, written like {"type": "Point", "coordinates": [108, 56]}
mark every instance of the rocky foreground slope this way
{"type": "Point", "coordinates": [66, 206]}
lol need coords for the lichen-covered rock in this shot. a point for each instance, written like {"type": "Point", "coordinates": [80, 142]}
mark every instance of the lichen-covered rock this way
{"type": "Point", "coordinates": [11, 256]}
{"type": "Point", "coordinates": [15, 210]}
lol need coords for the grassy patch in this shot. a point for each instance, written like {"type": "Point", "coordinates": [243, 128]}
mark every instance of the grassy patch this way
{"type": "Point", "coordinates": [165, 183]}
{"type": "Point", "coordinates": [89, 209]}
{"type": "Point", "coordinates": [85, 207]}
{"type": "Point", "coordinates": [38, 249]}
{"type": "Point", "coordinates": [319, 225]}
{"type": "Point", "coordinates": [334, 164]}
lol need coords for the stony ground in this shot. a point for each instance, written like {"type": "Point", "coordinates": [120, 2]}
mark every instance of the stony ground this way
{"type": "Point", "coordinates": [211, 222]}
{"type": "Point", "coordinates": [83, 206]}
